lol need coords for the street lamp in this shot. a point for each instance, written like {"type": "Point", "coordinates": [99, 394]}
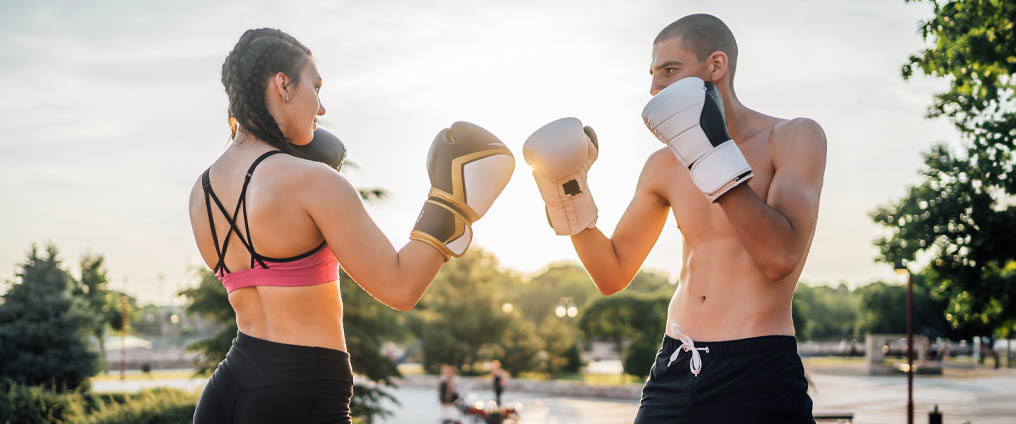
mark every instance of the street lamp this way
{"type": "Point", "coordinates": [901, 268]}
{"type": "Point", "coordinates": [123, 332]}
{"type": "Point", "coordinates": [566, 308]}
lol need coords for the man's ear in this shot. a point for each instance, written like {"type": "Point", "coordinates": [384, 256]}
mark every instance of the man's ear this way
{"type": "Point", "coordinates": [718, 65]}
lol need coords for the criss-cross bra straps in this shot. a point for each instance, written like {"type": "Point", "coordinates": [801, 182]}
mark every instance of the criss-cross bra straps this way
{"type": "Point", "coordinates": [231, 218]}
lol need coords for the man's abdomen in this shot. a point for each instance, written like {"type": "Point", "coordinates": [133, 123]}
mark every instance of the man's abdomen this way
{"type": "Point", "coordinates": [722, 295]}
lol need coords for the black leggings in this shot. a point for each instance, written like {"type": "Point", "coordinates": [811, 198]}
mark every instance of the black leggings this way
{"type": "Point", "coordinates": [266, 382]}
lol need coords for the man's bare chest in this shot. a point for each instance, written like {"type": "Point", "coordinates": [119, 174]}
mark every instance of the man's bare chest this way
{"type": "Point", "coordinates": [700, 219]}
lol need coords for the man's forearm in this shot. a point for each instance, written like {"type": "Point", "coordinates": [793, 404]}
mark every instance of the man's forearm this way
{"type": "Point", "coordinates": [765, 233]}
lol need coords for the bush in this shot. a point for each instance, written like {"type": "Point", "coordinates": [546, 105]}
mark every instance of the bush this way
{"type": "Point", "coordinates": [639, 357]}
{"type": "Point", "coordinates": [34, 404]}
{"type": "Point", "coordinates": [367, 405]}
{"type": "Point", "coordinates": [158, 406]}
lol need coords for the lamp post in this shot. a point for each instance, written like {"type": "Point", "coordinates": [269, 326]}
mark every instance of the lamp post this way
{"type": "Point", "coordinates": [123, 332]}
{"type": "Point", "coordinates": [566, 308]}
{"type": "Point", "coordinates": [901, 268]}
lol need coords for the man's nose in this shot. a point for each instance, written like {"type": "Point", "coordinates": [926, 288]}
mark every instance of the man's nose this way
{"type": "Point", "coordinates": [656, 85]}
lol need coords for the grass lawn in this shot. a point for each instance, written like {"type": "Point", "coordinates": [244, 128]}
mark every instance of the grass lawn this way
{"type": "Point", "coordinates": [154, 375]}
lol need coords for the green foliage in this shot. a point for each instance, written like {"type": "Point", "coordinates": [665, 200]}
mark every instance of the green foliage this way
{"type": "Point", "coordinates": [639, 357]}
{"type": "Point", "coordinates": [43, 330]}
{"type": "Point", "coordinates": [210, 299]}
{"type": "Point", "coordinates": [368, 324]}
{"type": "Point", "coordinates": [91, 289]}
{"type": "Point", "coordinates": [520, 347]}
{"type": "Point", "coordinates": [41, 404]}
{"type": "Point", "coordinates": [34, 404]}
{"type": "Point", "coordinates": [882, 309]}
{"type": "Point", "coordinates": [114, 311]}
{"type": "Point", "coordinates": [159, 406]}
{"type": "Point", "coordinates": [650, 282]}
{"type": "Point", "coordinates": [573, 358]}
{"type": "Point", "coordinates": [366, 405]}
{"type": "Point", "coordinates": [961, 214]}
{"type": "Point", "coordinates": [631, 322]}
{"type": "Point", "coordinates": [461, 313]}
{"type": "Point", "coordinates": [537, 298]}
{"type": "Point", "coordinates": [558, 337]}
{"type": "Point", "coordinates": [973, 45]}
{"type": "Point", "coordinates": [824, 313]}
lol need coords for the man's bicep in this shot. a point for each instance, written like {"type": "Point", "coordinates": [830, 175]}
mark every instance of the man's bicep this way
{"type": "Point", "coordinates": [642, 222]}
{"type": "Point", "coordinates": [799, 170]}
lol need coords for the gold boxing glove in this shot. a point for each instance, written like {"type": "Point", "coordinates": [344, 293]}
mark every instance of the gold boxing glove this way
{"type": "Point", "coordinates": [468, 168]}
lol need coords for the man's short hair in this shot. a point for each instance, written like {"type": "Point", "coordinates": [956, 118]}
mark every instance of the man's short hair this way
{"type": "Point", "coordinates": [703, 34]}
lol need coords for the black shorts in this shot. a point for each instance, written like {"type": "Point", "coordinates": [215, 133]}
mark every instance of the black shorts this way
{"type": "Point", "coordinates": [756, 380]}
{"type": "Point", "coordinates": [266, 382]}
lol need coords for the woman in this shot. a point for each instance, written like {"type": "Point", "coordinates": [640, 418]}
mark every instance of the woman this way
{"type": "Point", "coordinates": [275, 226]}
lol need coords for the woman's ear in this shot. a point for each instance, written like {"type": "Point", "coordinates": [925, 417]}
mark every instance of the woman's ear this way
{"type": "Point", "coordinates": [279, 83]}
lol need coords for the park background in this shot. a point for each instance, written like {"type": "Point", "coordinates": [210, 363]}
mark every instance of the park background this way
{"type": "Point", "coordinates": [113, 109]}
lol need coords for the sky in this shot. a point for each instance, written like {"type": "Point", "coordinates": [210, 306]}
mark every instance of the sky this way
{"type": "Point", "coordinates": [112, 110]}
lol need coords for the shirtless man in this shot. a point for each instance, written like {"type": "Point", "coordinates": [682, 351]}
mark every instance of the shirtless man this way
{"type": "Point", "coordinates": [747, 211]}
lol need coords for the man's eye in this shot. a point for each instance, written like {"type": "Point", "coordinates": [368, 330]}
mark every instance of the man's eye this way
{"type": "Point", "coordinates": [671, 70]}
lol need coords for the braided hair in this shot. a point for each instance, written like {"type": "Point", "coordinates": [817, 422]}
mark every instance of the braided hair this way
{"type": "Point", "coordinates": [260, 54]}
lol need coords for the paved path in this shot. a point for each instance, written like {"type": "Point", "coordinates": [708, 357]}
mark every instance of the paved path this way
{"type": "Point", "coordinates": [419, 405]}
{"type": "Point", "coordinates": [985, 400]}
{"type": "Point", "coordinates": [989, 399]}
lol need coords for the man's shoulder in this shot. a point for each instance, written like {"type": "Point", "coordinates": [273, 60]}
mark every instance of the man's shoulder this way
{"type": "Point", "coordinates": [796, 140]}
{"type": "Point", "coordinates": [662, 158]}
{"type": "Point", "coordinates": [660, 164]}
{"type": "Point", "coordinates": [798, 130]}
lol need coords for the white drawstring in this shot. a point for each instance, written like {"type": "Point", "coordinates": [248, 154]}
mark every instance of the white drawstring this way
{"type": "Point", "coordinates": [687, 344]}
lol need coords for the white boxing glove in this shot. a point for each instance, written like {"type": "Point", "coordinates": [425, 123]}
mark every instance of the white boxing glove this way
{"type": "Point", "coordinates": [560, 154]}
{"type": "Point", "coordinates": [688, 117]}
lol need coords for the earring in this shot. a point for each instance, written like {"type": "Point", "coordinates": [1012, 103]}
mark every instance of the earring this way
{"type": "Point", "coordinates": [287, 98]}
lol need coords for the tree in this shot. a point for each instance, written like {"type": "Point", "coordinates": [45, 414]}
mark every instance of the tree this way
{"type": "Point", "coordinates": [368, 324]}
{"type": "Point", "coordinates": [520, 346]}
{"type": "Point", "coordinates": [537, 298]}
{"type": "Point", "coordinates": [43, 330]}
{"type": "Point", "coordinates": [823, 312]}
{"type": "Point", "coordinates": [91, 288]}
{"type": "Point", "coordinates": [558, 338]}
{"type": "Point", "coordinates": [114, 311]}
{"type": "Point", "coordinates": [628, 320]}
{"type": "Point", "coordinates": [962, 213]}
{"type": "Point", "coordinates": [462, 313]}
{"type": "Point", "coordinates": [651, 282]}
{"type": "Point", "coordinates": [639, 357]}
{"type": "Point", "coordinates": [209, 299]}
{"type": "Point", "coordinates": [882, 309]}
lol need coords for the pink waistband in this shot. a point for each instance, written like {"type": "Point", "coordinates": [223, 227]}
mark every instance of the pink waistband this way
{"type": "Point", "coordinates": [318, 268]}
